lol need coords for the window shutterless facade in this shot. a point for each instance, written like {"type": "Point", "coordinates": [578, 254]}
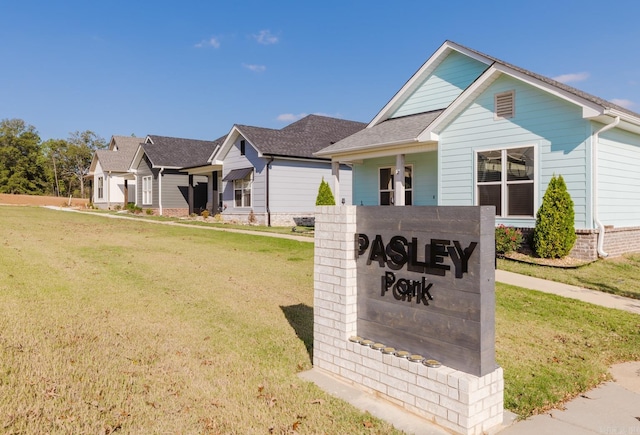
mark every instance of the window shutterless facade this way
{"type": "Point", "coordinates": [506, 179]}
{"type": "Point", "coordinates": [386, 185]}
{"type": "Point", "coordinates": [242, 191]}
{"type": "Point", "coordinates": [146, 190]}
{"type": "Point", "coordinates": [100, 187]}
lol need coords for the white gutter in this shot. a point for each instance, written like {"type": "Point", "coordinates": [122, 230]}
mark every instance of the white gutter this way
{"type": "Point", "coordinates": [159, 191]}
{"type": "Point", "coordinates": [596, 219]}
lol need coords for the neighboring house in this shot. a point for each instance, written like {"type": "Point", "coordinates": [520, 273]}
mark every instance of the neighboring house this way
{"type": "Point", "coordinates": [160, 184]}
{"type": "Point", "coordinates": [274, 176]}
{"type": "Point", "coordinates": [108, 173]}
{"type": "Point", "coordinates": [469, 129]}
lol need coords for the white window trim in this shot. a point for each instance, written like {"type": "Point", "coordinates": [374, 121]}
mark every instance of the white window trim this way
{"type": "Point", "coordinates": [503, 183]}
{"type": "Point", "coordinates": [100, 188]}
{"type": "Point", "coordinates": [393, 185]}
{"type": "Point", "coordinates": [147, 193]}
{"type": "Point", "coordinates": [243, 197]}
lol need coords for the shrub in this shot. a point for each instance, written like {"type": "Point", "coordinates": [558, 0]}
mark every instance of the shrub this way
{"type": "Point", "coordinates": [149, 211]}
{"type": "Point", "coordinates": [252, 217]}
{"type": "Point", "coordinates": [325, 196]}
{"type": "Point", "coordinates": [132, 208]}
{"type": "Point", "coordinates": [508, 239]}
{"type": "Point", "coordinates": [554, 234]}
{"type": "Point", "coordinates": [205, 214]}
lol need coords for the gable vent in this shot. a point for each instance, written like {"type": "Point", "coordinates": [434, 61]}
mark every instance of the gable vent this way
{"type": "Point", "coordinates": [505, 105]}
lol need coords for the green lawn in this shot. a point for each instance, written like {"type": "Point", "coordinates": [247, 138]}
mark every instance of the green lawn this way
{"type": "Point", "coordinates": [618, 275]}
{"type": "Point", "coordinates": [117, 325]}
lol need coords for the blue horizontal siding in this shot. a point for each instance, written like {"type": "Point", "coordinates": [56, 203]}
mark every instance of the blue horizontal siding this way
{"type": "Point", "coordinates": [619, 178]}
{"type": "Point", "coordinates": [425, 179]}
{"type": "Point", "coordinates": [551, 124]}
{"type": "Point", "coordinates": [454, 74]}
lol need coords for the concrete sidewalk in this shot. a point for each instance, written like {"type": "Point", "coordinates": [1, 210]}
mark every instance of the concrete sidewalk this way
{"type": "Point", "coordinates": [569, 291]}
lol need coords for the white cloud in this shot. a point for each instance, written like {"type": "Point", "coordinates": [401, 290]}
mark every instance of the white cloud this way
{"type": "Point", "coordinates": [265, 37]}
{"type": "Point", "coordinates": [627, 104]}
{"type": "Point", "coordinates": [254, 68]}
{"type": "Point", "coordinates": [212, 42]}
{"type": "Point", "coordinates": [572, 77]}
{"type": "Point", "coordinates": [290, 117]}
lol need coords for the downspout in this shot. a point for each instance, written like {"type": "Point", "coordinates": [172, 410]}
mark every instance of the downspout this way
{"type": "Point", "coordinates": [267, 198]}
{"type": "Point", "coordinates": [596, 219]}
{"type": "Point", "coordinates": [159, 191]}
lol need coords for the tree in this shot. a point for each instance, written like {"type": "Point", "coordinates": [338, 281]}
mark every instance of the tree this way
{"type": "Point", "coordinates": [54, 150]}
{"type": "Point", "coordinates": [21, 163]}
{"type": "Point", "coordinates": [325, 196]}
{"type": "Point", "coordinates": [77, 157]}
{"type": "Point", "coordinates": [554, 234]}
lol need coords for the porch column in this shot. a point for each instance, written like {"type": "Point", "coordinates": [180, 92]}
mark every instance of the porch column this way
{"type": "Point", "coordinates": [399, 181]}
{"type": "Point", "coordinates": [335, 172]}
{"type": "Point", "coordinates": [210, 193]}
{"type": "Point", "coordinates": [215, 206]}
{"type": "Point", "coordinates": [190, 194]}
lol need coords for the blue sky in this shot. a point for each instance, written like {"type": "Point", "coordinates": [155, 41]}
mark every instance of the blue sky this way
{"type": "Point", "coordinates": [194, 68]}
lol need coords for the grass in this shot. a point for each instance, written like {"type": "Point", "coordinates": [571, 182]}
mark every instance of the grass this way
{"type": "Point", "coordinates": [552, 348]}
{"type": "Point", "coordinates": [211, 222]}
{"type": "Point", "coordinates": [618, 275]}
{"type": "Point", "coordinates": [117, 325]}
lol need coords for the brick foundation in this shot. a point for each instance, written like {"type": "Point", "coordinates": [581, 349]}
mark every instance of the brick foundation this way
{"type": "Point", "coordinates": [455, 400]}
{"type": "Point", "coordinates": [617, 241]}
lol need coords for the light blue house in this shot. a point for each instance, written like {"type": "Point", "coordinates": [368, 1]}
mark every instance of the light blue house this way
{"type": "Point", "coordinates": [469, 129]}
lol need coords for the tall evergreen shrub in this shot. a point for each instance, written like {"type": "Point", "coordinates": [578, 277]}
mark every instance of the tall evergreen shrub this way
{"type": "Point", "coordinates": [554, 234]}
{"type": "Point", "coordinates": [325, 196]}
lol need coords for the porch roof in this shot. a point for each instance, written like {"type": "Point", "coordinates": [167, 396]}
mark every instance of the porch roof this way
{"type": "Point", "coordinates": [393, 131]}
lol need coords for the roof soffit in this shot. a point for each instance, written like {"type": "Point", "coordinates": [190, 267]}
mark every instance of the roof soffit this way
{"type": "Point", "coordinates": [357, 155]}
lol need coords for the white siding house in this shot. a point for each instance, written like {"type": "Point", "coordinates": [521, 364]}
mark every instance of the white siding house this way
{"type": "Point", "coordinates": [109, 171]}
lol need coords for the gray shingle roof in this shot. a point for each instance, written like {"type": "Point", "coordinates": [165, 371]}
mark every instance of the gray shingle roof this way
{"type": "Point", "coordinates": [301, 138]}
{"type": "Point", "coordinates": [177, 152]}
{"type": "Point", "coordinates": [577, 92]}
{"type": "Point", "coordinates": [119, 160]}
{"type": "Point", "coordinates": [403, 129]}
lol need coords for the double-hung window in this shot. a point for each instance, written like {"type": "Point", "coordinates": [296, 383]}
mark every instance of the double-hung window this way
{"type": "Point", "coordinates": [242, 191]}
{"type": "Point", "coordinates": [100, 187]}
{"type": "Point", "coordinates": [506, 179]}
{"type": "Point", "coordinates": [146, 190]}
{"type": "Point", "coordinates": [386, 185]}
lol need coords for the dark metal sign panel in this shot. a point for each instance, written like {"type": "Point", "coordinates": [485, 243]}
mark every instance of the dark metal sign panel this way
{"type": "Point", "coordinates": [426, 282]}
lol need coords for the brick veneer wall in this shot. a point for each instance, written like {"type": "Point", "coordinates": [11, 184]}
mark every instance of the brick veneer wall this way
{"type": "Point", "coordinates": [458, 401]}
{"type": "Point", "coordinates": [617, 241]}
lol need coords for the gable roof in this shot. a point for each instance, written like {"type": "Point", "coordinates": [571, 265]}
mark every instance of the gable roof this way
{"type": "Point", "coordinates": [175, 152]}
{"type": "Point", "coordinates": [381, 134]}
{"type": "Point", "coordinates": [300, 139]}
{"type": "Point", "coordinates": [118, 156]}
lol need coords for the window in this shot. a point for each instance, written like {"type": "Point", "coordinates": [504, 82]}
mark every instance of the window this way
{"type": "Point", "coordinates": [505, 105]}
{"type": "Point", "coordinates": [146, 190]}
{"type": "Point", "coordinates": [242, 191]}
{"type": "Point", "coordinates": [100, 187]}
{"type": "Point", "coordinates": [387, 185]}
{"type": "Point", "coordinates": [506, 180]}
{"type": "Point", "coordinates": [243, 146]}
